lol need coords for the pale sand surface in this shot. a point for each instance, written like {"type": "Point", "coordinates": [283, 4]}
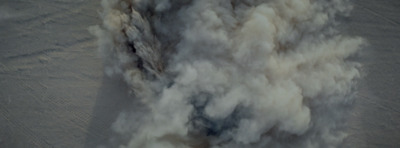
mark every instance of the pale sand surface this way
{"type": "Point", "coordinates": [54, 93]}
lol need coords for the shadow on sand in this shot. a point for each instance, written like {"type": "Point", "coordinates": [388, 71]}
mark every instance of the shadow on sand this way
{"type": "Point", "coordinates": [111, 100]}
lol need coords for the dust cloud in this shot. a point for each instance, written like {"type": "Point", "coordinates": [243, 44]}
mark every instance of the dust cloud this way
{"type": "Point", "coordinates": [230, 73]}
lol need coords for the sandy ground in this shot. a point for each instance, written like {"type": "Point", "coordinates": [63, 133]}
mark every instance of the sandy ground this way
{"type": "Point", "coordinates": [54, 93]}
{"type": "Point", "coordinates": [375, 122]}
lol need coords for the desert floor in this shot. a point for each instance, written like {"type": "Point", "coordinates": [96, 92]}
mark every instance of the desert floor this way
{"type": "Point", "coordinates": [54, 92]}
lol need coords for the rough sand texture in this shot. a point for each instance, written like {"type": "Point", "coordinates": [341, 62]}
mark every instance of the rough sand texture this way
{"type": "Point", "coordinates": [376, 118]}
{"type": "Point", "coordinates": [54, 94]}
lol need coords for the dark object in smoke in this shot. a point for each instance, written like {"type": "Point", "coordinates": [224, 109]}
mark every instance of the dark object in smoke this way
{"type": "Point", "coordinates": [131, 47]}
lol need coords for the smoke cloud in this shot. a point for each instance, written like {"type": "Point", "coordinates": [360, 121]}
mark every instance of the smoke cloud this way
{"type": "Point", "coordinates": [230, 73]}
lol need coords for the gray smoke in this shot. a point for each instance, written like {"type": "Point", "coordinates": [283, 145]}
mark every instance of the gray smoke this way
{"type": "Point", "coordinates": [230, 73]}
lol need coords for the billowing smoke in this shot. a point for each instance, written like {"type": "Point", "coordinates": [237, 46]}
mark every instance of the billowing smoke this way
{"type": "Point", "coordinates": [230, 73]}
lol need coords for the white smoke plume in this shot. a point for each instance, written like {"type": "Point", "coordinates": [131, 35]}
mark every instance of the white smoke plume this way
{"type": "Point", "coordinates": [230, 73]}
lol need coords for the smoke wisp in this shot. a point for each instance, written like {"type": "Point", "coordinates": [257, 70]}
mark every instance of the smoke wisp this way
{"type": "Point", "coordinates": [230, 73]}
